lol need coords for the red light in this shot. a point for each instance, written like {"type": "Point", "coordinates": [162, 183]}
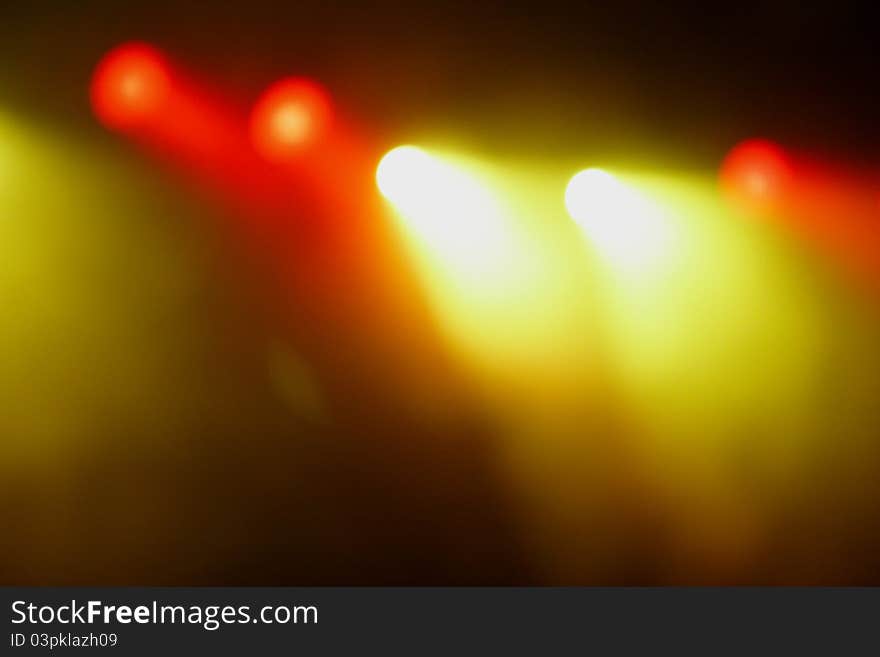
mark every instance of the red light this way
{"type": "Point", "coordinates": [289, 117]}
{"type": "Point", "coordinates": [756, 173]}
{"type": "Point", "coordinates": [130, 85]}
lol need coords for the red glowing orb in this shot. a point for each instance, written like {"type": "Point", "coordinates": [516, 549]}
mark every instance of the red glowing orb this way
{"type": "Point", "coordinates": [130, 85]}
{"type": "Point", "coordinates": [290, 117]}
{"type": "Point", "coordinates": [756, 173]}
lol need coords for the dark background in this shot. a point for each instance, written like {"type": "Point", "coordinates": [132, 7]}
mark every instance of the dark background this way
{"type": "Point", "coordinates": [686, 79]}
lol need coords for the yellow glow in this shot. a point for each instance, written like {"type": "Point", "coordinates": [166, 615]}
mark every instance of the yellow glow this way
{"type": "Point", "coordinates": [69, 355]}
{"type": "Point", "coordinates": [619, 406]}
{"type": "Point", "coordinates": [625, 227]}
{"type": "Point", "coordinates": [4, 155]}
{"type": "Point", "coordinates": [690, 337]}
{"type": "Point", "coordinates": [483, 271]}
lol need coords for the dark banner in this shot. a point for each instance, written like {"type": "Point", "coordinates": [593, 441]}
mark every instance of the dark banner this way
{"type": "Point", "coordinates": [411, 621]}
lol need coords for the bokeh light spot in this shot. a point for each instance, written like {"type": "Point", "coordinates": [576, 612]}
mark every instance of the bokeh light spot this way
{"type": "Point", "coordinates": [756, 174]}
{"type": "Point", "coordinates": [291, 116]}
{"type": "Point", "coordinates": [131, 85]}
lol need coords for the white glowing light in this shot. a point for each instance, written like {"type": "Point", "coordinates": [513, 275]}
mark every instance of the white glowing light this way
{"type": "Point", "coordinates": [449, 211]}
{"type": "Point", "coordinates": [625, 227]}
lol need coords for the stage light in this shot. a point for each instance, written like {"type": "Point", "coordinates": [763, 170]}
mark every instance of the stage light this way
{"type": "Point", "coordinates": [403, 173]}
{"type": "Point", "coordinates": [756, 174]}
{"type": "Point", "coordinates": [477, 243]}
{"type": "Point", "coordinates": [290, 116]}
{"type": "Point", "coordinates": [130, 85]}
{"type": "Point", "coordinates": [447, 209]}
{"type": "Point", "coordinates": [624, 226]}
{"type": "Point", "coordinates": [591, 193]}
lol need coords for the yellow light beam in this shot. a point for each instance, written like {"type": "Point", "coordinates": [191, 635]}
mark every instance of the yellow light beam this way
{"type": "Point", "coordinates": [448, 211]}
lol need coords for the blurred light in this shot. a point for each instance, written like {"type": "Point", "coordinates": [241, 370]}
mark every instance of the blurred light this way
{"type": "Point", "coordinates": [481, 239]}
{"type": "Point", "coordinates": [756, 174]}
{"type": "Point", "coordinates": [623, 225]}
{"type": "Point", "coordinates": [290, 116]}
{"type": "Point", "coordinates": [447, 209]}
{"type": "Point", "coordinates": [401, 173]}
{"type": "Point", "coordinates": [130, 85]}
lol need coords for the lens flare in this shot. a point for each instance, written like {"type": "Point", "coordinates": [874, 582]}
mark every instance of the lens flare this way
{"type": "Point", "coordinates": [625, 227]}
{"type": "Point", "coordinates": [130, 86]}
{"type": "Point", "coordinates": [756, 174]}
{"type": "Point", "coordinates": [290, 117]}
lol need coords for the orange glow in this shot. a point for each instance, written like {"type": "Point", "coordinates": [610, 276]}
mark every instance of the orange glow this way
{"type": "Point", "coordinates": [195, 130]}
{"type": "Point", "coordinates": [756, 174]}
{"type": "Point", "coordinates": [833, 207]}
{"type": "Point", "coordinates": [130, 86]}
{"type": "Point", "coordinates": [289, 117]}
